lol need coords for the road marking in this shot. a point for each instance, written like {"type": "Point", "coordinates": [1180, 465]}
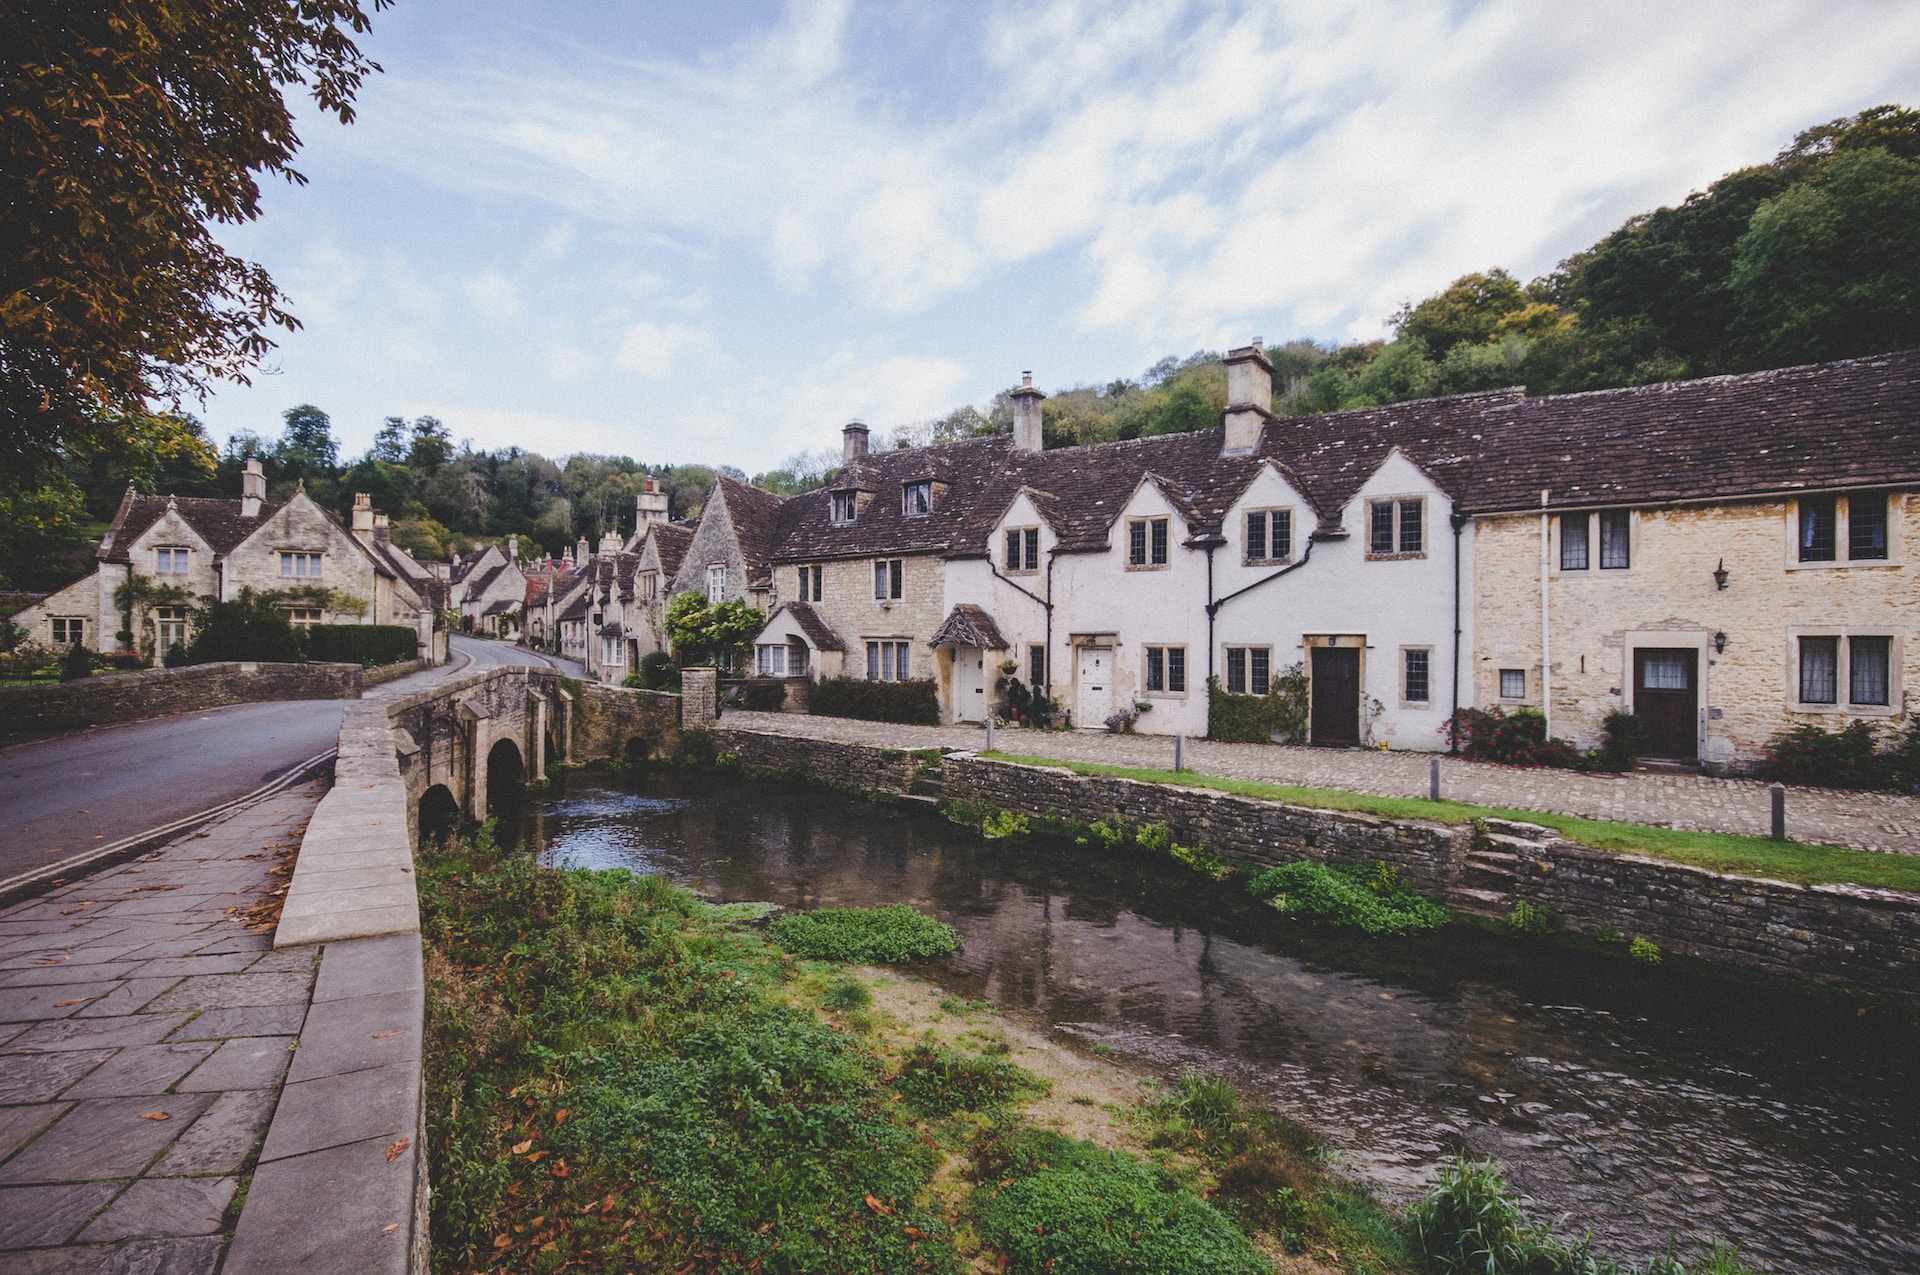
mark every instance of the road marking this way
{"type": "Point", "coordinates": [16, 885]}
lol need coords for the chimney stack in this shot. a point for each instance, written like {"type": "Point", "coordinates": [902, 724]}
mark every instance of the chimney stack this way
{"type": "Point", "coordinates": [382, 533]}
{"type": "Point", "coordinates": [610, 542]}
{"type": "Point", "coordinates": [513, 546]}
{"type": "Point", "coordinates": [853, 441]}
{"type": "Point", "coordinates": [1026, 416]}
{"type": "Point", "coordinates": [253, 488]}
{"type": "Point", "coordinates": [1249, 398]}
{"type": "Point", "coordinates": [363, 517]}
{"type": "Point", "coordinates": [651, 505]}
{"type": "Point", "coordinates": [582, 551]}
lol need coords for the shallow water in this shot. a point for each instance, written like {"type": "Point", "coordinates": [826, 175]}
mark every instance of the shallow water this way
{"type": "Point", "coordinates": [1643, 1104]}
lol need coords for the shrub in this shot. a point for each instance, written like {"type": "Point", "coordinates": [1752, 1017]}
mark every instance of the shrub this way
{"type": "Point", "coordinates": [762, 695]}
{"type": "Point", "coordinates": [1258, 719]}
{"type": "Point", "coordinates": [1530, 919]}
{"type": "Point", "coordinates": [914, 703]}
{"type": "Point", "coordinates": [1806, 754]}
{"type": "Point", "coordinates": [657, 672]}
{"type": "Point", "coordinates": [247, 627]}
{"type": "Point", "coordinates": [1367, 897]}
{"type": "Point", "coordinates": [368, 645]}
{"type": "Point", "coordinates": [1070, 1208]}
{"type": "Point", "coordinates": [176, 656]}
{"type": "Point", "coordinates": [78, 664]}
{"type": "Point", "coordinates": [1645, 951]}
{"type": "Point", "coordinates": [1516, 739]}
{"type": "Point", "coordinates": [883, 935]}
{"type": "Point", "coordinates": [847, 993]}
{"type": "Point", "coordinates": [1620, 736]}
{"type": "Point", "coordinates": [1903, 760]}
{"type": "Point", "coordinates": [1003, 824]}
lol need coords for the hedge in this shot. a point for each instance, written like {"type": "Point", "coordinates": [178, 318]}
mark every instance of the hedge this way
{"type": "Point", "coordinates": [911, 703]}
{"type": "Point", "coordinates": [368, 645]}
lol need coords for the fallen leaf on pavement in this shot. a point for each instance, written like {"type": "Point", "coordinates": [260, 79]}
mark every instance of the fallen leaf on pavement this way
{"type": "Point", "coordinates": [389, 1228]}
{"type": "Point", "coordinates": [156, 1115]}
{"type": "Point", "coordinates": [63, 1004]}
{"type": "Point", "coordinates": [394, 1151]}
{"type": "Point", "coordinates": [384, 1035]}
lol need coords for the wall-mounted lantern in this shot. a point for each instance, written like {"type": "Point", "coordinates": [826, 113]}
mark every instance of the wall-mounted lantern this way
{"type": "Point", "coordinates": [1719, 644]}
{"type": "Point", "coordinates": [1720, 574]}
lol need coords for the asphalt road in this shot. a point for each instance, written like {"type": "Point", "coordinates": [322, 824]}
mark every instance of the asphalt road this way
{"type": "Point", "coordinates": [62, 796]}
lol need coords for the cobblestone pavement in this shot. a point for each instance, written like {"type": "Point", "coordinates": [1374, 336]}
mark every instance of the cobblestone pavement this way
{"type": "Point", "coordinates": [145, 1030]}
{"type": "Point", "coordinates": [1867, 821]}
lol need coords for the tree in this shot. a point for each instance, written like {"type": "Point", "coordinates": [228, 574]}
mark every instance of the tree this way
{"type": "Point", "coordinates": [719, 633]}
{"type": "Point", "coordinates": [1469, 311]}
{"type": "Point", "coordinates": [131, 129]}
{"type": "Point", "coordinates": [390, 441]}
{"type": "Point", "coordinates": [306, 448]}
{"type": "Point", "coordinates": [430, 447]}
{"type": "Point", "coordinates": [1831, 268]}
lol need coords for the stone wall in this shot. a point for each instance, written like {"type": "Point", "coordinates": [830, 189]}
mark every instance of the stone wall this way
{"type": "Point", "coordinates": [606, 718]}
{"type": "Point", "coordinates": [1667, 597]}
{"type": "Point", "coordinates": [1837, 936]}
{"type": "Point", "coordinates": [127, 697]}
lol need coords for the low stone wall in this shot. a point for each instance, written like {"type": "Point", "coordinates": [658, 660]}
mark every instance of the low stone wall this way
{"type": "Point", "coordinates": [394, 672]}
{"type": "Point", "coordinates": [607, 718]}
{"type": "Point", "coordinates": [862, 766]}
{"type": "Point", "coordinates": [128, 697]}
{"type": "Point", "coordinates": [1833, 935]}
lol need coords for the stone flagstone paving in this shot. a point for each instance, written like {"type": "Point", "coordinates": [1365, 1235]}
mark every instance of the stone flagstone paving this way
{"type": "Point", "coordinates": [146, 1025]}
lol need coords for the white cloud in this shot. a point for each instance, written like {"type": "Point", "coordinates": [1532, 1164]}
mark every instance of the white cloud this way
{"type": "Point", "coordinates": [657, 350]}
{"type": "Point", "coordinates": [493, 295]}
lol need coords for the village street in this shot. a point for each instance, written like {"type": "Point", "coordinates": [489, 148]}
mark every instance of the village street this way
{"type": "Point", "coordinates": [1701, 803]}
{"type": "Point", "coordinates": [63, 797]}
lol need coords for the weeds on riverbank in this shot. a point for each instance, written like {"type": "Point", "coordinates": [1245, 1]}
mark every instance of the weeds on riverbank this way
{"type": "Point", "coordinates": [874, 936]}
{"type": "Point", "coordinates": [1368, 897]}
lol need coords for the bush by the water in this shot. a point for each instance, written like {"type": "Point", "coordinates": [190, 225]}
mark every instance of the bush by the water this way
{"type": "Point", "coordinates": [368, 645]}
{"type": "Point", "coordinates": [1056, 1205]}
{"type": "Point", "coordinates": [1366, 896]}
{"type": "Point", "coordinates": [883, 935]}
{"type": "Point", "coordinates": [912, 703]}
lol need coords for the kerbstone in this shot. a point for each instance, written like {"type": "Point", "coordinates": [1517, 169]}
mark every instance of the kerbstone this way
{"type": "Point", "coordinates": [355, 1034]}
{"type": "Point", "coordinates": [333, 1111]}
{"type": "Point", "coordinates": [368, 1216]}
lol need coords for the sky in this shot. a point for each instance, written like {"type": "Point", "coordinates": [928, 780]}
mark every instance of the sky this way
{"type": "Point", "coordinates": [716, 232]}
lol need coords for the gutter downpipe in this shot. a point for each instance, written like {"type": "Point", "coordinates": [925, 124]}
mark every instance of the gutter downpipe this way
{"type": "Point", "coordinates": [1210, 671]}
{"type": "Point", "coordinates": [1046, 604]}
{"type": "Point", "coordinates": [1213, 608]}
{"type": "Point", "coordinates": [1546, 631]}
{"type": "Point", "coordinates": [1458, 521]}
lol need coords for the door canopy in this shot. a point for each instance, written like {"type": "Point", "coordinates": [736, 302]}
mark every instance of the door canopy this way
{"type": "Point", "coordinates": [969, 625]}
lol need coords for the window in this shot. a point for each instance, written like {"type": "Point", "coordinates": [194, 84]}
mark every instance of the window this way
{"type": "Point", "coordinates": [1664, 672]}
{"type": "Point", "coordinates": [809, 579]}
{"type": "Point", "coordinates": [1868, 664]}
{"type": "Point", "coordinates": [1513, 683]}
{"type": "Point", "coordinates": [846, 504]}
{"type": "Point", "coordinates": [1023, 549]}
{"type": "Point", "coordinates": [887, 661]}
{"type": "Point", "coordinates": [887, 578]}
{"type": "Point", "coordinates": [301, 617]}
{"type": "Point", "coordinates": [1819, 669]}
{"type": "Point", "coordinates": [1415, 666]}
{"type": "Point", "coordinates": [1616, 539]}
{"type": "Point", "coordinates": [772, 661]}
{"type": "Point", "coordinates": [1249, 670]}
{"type": "Point", "coordinates": [170, 628]}
{"type": "Point", "coordinates": [916, 498]}
{"type": "Point", "coordinates": [1818, 519]}
{"type": "Point", "coordinates": [1867, 527]}
{"type": "Point", "coordinates": [172, 562]}
{"type": "Point", "coordinates": [1036, 665]}
{"type": "Point", "coordinates": [1269, 535]}
{"type": "Point", "coordinates": [1147, 542]}
{"type": "Point", "coordinates": [67, 630]}
{"type": "Point", "coordinates": [716, 583]}
{"type": "Point", "coordinates": [1396, 526]}
{"type": "Point", "coordinates": [300, 566]}
{"type": "Point", "coordinates": [1573, 542]}
{"type": "Point", "coordinates": [1167, 670]}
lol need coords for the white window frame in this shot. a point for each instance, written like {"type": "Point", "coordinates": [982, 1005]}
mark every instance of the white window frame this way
{"type": "Point", "coordinates": [1402, 524]}
{"type": "Point", "coordinates": [1502, 674]}
{"type": "Point", "coordinates": [916, 498]}
{"type": "Point", "coordinates": [1406, 700]}
{"type": "Point", "coordinates": [305, 617]}
{"type": "Point", "coordinates": [771, 659]}
{"type": "Point", "coordinates": [716, 583]}
{"type": "Point", "coordinates": [843, 507]}
{"type": "Point", "coordinates": [169, 623]}
{"type": "Point", "coordinates": [67, 629]}
{"type": "Point", "coordinates": [171, 562]}
{"type": "Point", "coordinates": [889, 579]}
{"type": "Point", "coordinates": [300, 564]}
{"type": "Point", "coordinates": [1843, 637]}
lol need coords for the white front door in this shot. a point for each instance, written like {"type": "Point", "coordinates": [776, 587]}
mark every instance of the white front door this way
{"type": "Point", "coordinates": [1093, 702]}
{"type": "Point", "coordinates": [969, 684]}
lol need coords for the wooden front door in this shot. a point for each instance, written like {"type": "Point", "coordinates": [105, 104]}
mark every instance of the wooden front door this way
{"type": "Point", "coordinates": [1336, 696]}
{"type": "Point", "coordinates": [1666, 699]}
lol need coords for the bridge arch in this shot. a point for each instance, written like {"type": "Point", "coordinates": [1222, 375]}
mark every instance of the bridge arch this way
{"type": "Point", "coordinates": [506, 772]}
{"type": "Point", "coordinates": [438, 813]}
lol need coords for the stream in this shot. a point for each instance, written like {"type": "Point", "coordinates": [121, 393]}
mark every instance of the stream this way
{"type": "Point", "coordinates": [1644, 1105]}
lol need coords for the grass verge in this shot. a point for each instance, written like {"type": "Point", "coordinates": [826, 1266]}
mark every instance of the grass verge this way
{"type": "Point", "coordinates": [1718, 851]}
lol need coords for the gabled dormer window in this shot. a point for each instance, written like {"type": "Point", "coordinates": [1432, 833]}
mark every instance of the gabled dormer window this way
{"type": "Point", "coordinates": [846, 506]}
{"type": "Point", "coordinates": [916, 499]}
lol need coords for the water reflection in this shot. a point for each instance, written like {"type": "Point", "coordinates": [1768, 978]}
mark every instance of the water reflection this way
{"type": "Point", "coordinates": [1642, 1103]}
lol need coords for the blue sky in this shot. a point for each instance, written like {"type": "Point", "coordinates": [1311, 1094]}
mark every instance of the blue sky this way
{"type": "Point", "coordinates": [716, 232]}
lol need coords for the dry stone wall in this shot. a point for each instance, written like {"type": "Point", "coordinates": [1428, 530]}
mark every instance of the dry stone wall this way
{"type": "Point", "coordinates": [128, 697]}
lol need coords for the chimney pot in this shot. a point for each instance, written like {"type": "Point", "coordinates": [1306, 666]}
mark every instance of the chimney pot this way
{"type": "Point", "coordinates": [853, 441]}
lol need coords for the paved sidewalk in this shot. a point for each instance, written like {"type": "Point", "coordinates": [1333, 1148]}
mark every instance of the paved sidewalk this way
{"type": "Point", "coordinates": [145, 1030]}
{"type": "Point", "coordinates": [1867, 821]}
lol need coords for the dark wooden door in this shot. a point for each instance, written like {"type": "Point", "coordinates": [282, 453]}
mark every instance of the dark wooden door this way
{"type": "Point", "coordinates": [1666, 699]}
{"type": "Point", "coordinates": [1336, 696]}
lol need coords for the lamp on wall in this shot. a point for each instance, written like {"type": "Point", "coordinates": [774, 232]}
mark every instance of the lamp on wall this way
{"type": "Point", "coordinates": [1719, 644]}
{"type": "Point", "coordinates": [1720, 574]}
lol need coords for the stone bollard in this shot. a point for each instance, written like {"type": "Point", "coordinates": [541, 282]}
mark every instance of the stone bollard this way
{"type": "Point", "coordinates": [1433, 779]}
{"type": "Point", "coordinates": [1779, 794]}
{"type": "Point", "coordinates": [989, 732]}
{"type": "Point", "coordinates": [1179, 753]}
{"type": "Point", "coordinates": [699, 697]}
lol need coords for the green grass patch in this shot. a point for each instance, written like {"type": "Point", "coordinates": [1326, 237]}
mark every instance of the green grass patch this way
{"type": "Point", "coordinates": [884, 935]}
{"type": "Point", "coordinates": [1718, 851]}
{"type": "Point", "coordinates": [1364, 896]}
{"type": "Point", "coordinates": [939, 1080]}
